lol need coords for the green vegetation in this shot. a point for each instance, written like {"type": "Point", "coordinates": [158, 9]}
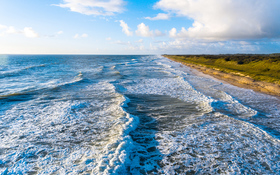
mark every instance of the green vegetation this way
{"type": "Point", "coordinates": [258, 67]}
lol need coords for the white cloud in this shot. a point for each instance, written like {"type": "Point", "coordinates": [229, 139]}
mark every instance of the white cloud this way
{"type": "Point", "coordinates": [60, 32]}
{"type": "Point", "coordinates": [109, 39]}
{"type": "Point", "coordinates": [94, 7]}
{"type": "Point", "coordinates": [125, 28]}
{"type": "Point", "coordinates": [160, 16]}
{"type": "Point", "coordinates": [27, 31]}
{"type": "Point", "coordinates": [30, 33]}
{"type": "Point", "coordinates": [226, 19]}
{"type": "Point", "coordinates": [77, 36]}
{"type": "Point", "coordinates": [173, 33]}
{"type": "Point", "coordinates": [144, 31]}
{"type": "Point", "coordinates": [12, 30]}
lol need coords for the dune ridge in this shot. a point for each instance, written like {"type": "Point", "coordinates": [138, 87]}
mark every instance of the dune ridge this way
{"type": "Point", "coordinates": [234, 78]}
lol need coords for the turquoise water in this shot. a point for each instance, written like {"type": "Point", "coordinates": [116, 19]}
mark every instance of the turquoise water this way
{"type": "Point", "coordinates": [71, 114]}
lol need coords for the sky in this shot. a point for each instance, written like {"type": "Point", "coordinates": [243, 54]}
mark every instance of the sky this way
{"type": "Point", "coordinates": [139, 26]}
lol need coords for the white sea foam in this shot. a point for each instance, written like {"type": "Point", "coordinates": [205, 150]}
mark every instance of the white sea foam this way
{"type": "Point", "coordinates": [221, 99]}
{"type": "Point", "coordinates": [174, 87]}
{"type": "Point", "coordinates": [228, 104]}
{"type": "Point", "coordinates": [48, 135]}
{"type": "Point", "coordinates": [257, 108]}
{"type": "Point", "coordinates": [200, 148]}
{"type": "Point", "coordinates": [161, 119]}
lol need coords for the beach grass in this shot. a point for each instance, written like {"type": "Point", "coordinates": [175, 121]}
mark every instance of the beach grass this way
{"type": "Point", "coordinates": [258, 67]}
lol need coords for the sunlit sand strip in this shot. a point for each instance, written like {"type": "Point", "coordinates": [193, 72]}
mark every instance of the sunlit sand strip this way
{"type": "Point", "coordinates": [237, 79]}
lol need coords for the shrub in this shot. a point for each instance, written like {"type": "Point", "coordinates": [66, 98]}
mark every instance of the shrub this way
{"type": "Point", "coordinates": [240, 62]}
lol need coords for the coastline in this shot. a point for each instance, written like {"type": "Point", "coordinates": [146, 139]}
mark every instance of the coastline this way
{"type": "Point", "coordinates": [236, 79]}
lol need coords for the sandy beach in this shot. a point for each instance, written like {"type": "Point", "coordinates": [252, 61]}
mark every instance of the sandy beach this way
{"type": "Point", "coordinates": [129, 114]}
{"type": "Point", "coordinates": [236, 79]}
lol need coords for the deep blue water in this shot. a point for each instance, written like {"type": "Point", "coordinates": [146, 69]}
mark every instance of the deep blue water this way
{"type": "Point", "coordinates": [79, 114]}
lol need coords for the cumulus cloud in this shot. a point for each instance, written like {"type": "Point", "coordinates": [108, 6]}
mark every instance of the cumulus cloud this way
{"type": "Point", "coordinates": [173, 33]}
{"type": "Point", "coordinates": [223, 20]}
{"type": "Point", "coordinates": [125, 28]}
{"type": "Point", "coordinates": [78, 36]}
{"type": "Point", "coordinates": [160, 16]}
{"type": "Point", "coordinates": [27, 31]}
{"type": "Point", "coordinates": [94, 7]}
{"type": "Point", "coordinates": [144, 31]}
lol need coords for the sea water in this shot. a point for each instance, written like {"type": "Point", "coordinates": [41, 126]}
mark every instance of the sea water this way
{"type": "Point", "coordinates": [79, 114]}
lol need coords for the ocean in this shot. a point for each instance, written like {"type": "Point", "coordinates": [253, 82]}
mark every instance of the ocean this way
{"type": "Point", "coordinates": [90, 114]}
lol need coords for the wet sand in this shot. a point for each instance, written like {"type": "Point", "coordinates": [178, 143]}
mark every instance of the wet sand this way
{"type": "Point", "coordinates": [236, 79]}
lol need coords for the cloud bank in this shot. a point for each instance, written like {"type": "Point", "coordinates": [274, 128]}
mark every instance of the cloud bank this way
{"type": "Point", "coordinates": [226, 19]}
{"type": "Point", "coordinates": [94, 7]}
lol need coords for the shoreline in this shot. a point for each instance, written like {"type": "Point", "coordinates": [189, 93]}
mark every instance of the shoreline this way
{"type": "Point", "coordinates": [236, 79]}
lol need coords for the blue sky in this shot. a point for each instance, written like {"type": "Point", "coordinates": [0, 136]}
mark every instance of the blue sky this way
{"type": "Point", "coordinates": [139, 27]}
